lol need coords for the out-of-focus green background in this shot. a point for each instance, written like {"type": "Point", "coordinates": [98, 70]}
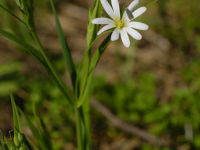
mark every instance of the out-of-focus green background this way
{"type": "Point", "coordinates": [153, 85]}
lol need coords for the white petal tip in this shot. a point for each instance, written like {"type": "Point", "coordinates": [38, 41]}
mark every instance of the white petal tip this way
{"type": "Point", "coordinates": [127, 46]}
{"type": "Point", "coordinates": [146, 27]}
{"type": "Point", "coordinates": [144, 8]}
{"type": "Point", "coordinates": [138, 38]}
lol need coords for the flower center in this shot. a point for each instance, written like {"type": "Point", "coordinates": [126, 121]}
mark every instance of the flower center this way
{"type": "Point", "coordinates": [120, 23]}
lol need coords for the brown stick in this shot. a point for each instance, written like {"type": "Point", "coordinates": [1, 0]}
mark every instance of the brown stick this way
{"type": "Point", "coordinates": [126, 127]}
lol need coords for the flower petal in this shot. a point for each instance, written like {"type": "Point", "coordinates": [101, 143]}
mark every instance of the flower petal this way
{"type": "Point", "coordinates": [137, 25]}
{"type": "Point", "coordinates": [136, 35]}
{"type": "Point", "coordinates": [115, 5]}
{"type": "Point", "coordinates": [124, 37]}
{"type": "Point", "coordinates": [108, 8]}
{"type": "Point", "coordinates": [139, 11]}
{"type": "Point", "coordinates": [133, 5]}
{"type": "Point", "coordinates": [102, 21]}
{"type": "Point", "coordinates": [107, 27]}
{"type": "Point", "coordinates": [115, 35]}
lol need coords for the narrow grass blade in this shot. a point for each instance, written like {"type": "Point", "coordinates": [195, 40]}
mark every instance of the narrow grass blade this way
{"type": "Point", "coordinates": [28, 145]}
{"type": "Point", "coordinates": [40, 58]}
{"type": "Point", "coordinates": [42, 129]}
{"type": "Point", "coordinates": [90, 37]}
{"type": "Point", "coordinates": [11, 139]}
{"type": "Point", "coordinates": [92, 29]}
{"type": "Point", "coordinates": [151, 3]}
{"type": "Point", "coordinates": [13, 14]}
{"type": "Point", "coordinates": [65, 49]}
{"type": "Point", "coordinates": [16, 120]}
{"type": "Point", "coordinates": [25, 45]}
{"type": "Point", "coordinates": [6, 144]}
{"type": "Point", "coordinates": [98, 53]}
{"type": "Point", "coordinates": [46, 136]}
{"type": "Point", "coordinates": [35, 132]}
{"type": "Point", "coordinates": [94, 61]}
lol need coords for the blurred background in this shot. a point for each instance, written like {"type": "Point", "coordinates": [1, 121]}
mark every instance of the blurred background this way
{"type": "Point", "coordinates": [153, 85]}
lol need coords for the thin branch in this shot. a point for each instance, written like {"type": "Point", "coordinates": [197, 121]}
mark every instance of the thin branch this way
{"type": "Point", "coordinates": [126, 127]}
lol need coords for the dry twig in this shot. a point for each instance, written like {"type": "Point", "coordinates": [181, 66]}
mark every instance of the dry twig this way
{"type": "Point", "coordinates": [126, 127]}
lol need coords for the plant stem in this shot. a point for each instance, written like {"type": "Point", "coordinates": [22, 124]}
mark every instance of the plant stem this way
{"type": "Point", "coordinates": [13, 15]}
{"type": "Point", "coordinates": [56, 78]}
{"type": "Point", "coordinates": [79, 129]}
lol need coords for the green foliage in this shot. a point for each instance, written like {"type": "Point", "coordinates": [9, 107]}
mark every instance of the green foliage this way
{"type": "Point", "coordinates": [65, 49]}
{"type": "Point", "coordinates": [136, 101]}
{"type": "Point", "coordinates": [20, 142]}
{"type": "Point", "coordinates": [26, 7]}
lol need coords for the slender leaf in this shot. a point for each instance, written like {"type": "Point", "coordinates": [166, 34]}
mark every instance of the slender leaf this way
{"type": "Point", "coordinates": [46, 136]}
{"type": "Point", "coordinates": [94, 61]}
{"type": "Point", "coordinates": [93, 28]}
{"type": "Point", "coordinates": [12, 14]}
{"type": "Point", "coordinates": [42, 129]}
{"type": "Point", "coordinates": [28, 145]}
{"type": "Point", "coordinates": [35, 132]}
{"type": "Point", "coordinates": [90, 37]}
{"type": "Point", "coordinates": [27, 47]}
{"type": "Point", "coordinates": [65, 49]}
{"type": "Point", "coordinates": [5, 141]}
{"type": "Point", "coordinates": [11, 139]}
{"type": "Point", "coordinates": [16, 120]}
{"type": "Point", "coordinates": [151, 3]}
{"type": "Point", "coordinates": [98, 53]}
{"type": "Point", "coordinates": [40, 58]}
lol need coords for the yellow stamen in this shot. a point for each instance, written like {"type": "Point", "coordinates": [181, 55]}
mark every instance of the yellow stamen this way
{"type": "Point", "coordinates": [120, 23]}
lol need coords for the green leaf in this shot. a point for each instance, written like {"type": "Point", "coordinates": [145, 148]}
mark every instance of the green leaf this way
{"type": "Point", "coordinates": [28, 145]}
{"type": "Point", "coordinates": [27, 9]}
{"type": "Point", "coordinates": [93, 28]}
{"type": "Point", "coordinates": [40, 58]}
{"type": "Point", "coordinates": [151, 3]}
{"type": "Point", "coordinates": [95, 59]}
{"type": "Point", "coordinates": [35, 132]}
{"type": "Point", "coordinates": [98, 53]}
{"type": "Point", "coordinates": [46, 136]}
{"type": "Point", "coordinates": [91, 38]}
{"type": "Point", "coordinates": [6, 144]}
{"type": "Point", "coordinates": [16, 120]}
{"type": "Point", "coordinates": [42, 129]}
{"type": "Point", "coordinates": [65, 49]}
{"type": "Point", "coordinates": [22, 43]}
{"type": "Point", "coordinates": [11, 139]}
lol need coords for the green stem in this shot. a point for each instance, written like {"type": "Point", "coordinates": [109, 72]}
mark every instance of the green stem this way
{"type": "Point", "coordinates": [79, 129]}
{"type": "Point", "coordinates": [13, 15]}
{"type": "Point", "coordinates": [56, 77]}
{"type": "Point", "coordinates": [86, 56]}
{"type": "Point", "coordinates": [151, 3]}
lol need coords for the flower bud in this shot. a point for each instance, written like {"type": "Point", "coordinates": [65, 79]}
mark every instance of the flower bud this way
{"type": "Point", "coordinates": [11, 148]}
{"type": "Point", "coordinates": [21, 137]}
{"type": "Point", "coordinates": [16, 141]}
{"type": "Point", "coordinates": [133, 5]}
{"type": "Point", "coordinates": [26, 7]}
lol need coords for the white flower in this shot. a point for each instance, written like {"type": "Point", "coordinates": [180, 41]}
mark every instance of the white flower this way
{"type": "Point", "coordinates": [122, 25]}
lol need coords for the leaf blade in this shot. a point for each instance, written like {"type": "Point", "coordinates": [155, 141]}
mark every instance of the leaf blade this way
{"type": "Point", "coordinates": [65, 49]}
{"type": "Point", "coordinates": [40, 58]}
